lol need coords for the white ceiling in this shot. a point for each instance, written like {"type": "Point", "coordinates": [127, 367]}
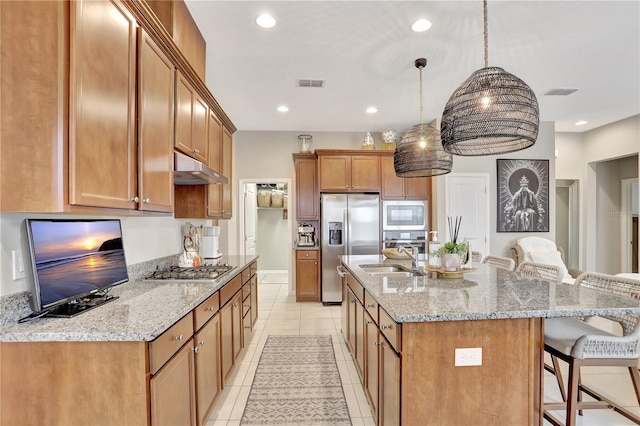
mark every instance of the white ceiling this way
{"type": "Point", "coordinates": [365, 50]}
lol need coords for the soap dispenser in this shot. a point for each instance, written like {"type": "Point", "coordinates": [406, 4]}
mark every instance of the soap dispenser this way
{"type": "Point", "coordinates": [434, 250]}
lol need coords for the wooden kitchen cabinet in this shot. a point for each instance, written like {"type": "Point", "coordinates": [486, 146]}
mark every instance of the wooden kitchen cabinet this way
{"type": "Point", "coordinates": [102, 73]}
{"type": "Point", "coordinates": [351, 321]}
{"type": "Point", "coordinates": [395, 188]}
{"type": "Point", "coordinates": [191, 121]}
{"type": "Point", "coordinates": [389, 385]}
{"type": "Point", "coordinates": [172, 390]}
{"type": "Point", "coordinates": [208, 379]}
{"type": "Point", "coordinates": [307, 276]}
{"type": "Point", "coordinates": [372, 345]}
{"type": "Point", "coordinates": [348, 172]}
{"type": "Point", "coordinates": [156, 83]}
{"type": "Point", "coordinates": [307, 194]}
{"type": "Point", "coordinates": [230, 334]}
{"type": "Point", "coordinates": [214, 192]}
{"type": "Point", "coordinates": [227, 155]}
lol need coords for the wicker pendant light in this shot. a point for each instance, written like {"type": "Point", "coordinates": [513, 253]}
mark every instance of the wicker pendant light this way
{"type": "Point", "coordinates": [492, 112]}
{"type": "Point", "coordinates": [419, 153]}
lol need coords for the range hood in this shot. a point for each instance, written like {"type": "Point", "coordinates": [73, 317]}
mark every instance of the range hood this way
{"type": "Point", "coordinates": [189, 171]}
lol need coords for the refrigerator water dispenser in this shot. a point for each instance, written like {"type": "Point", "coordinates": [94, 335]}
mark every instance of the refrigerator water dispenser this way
{"type": "Point", "coordinates": [335, 233]}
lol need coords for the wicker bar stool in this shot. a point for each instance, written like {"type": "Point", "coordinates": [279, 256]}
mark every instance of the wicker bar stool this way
{"type": "Point", "coordinates": [541, 270]}
{"type": "Point", "coordinates": [476, 256]}
{"type": "Point", "coordinates": [500, 262]}
{"type": "Point", "coordinates": [578, 343]}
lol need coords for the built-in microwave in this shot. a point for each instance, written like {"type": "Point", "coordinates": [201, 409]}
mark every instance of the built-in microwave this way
{"type": "Point", "coordinates": [404, 215]}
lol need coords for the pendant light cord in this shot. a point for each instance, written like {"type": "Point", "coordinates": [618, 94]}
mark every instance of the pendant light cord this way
{"type": "Point", "coordinates": [420, 95]}
{"type": "Point", "coordinates": [486, 37]}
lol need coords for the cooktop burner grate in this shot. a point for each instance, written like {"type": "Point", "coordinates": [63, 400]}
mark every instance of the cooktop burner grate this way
{"type": "Point", "coordinates": [204, 272]}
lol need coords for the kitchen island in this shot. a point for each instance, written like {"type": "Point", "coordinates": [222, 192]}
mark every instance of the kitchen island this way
{"type": "Point", "coordinates": [463, 351]}
{"type": "Point", "coordinates": [159, 354]}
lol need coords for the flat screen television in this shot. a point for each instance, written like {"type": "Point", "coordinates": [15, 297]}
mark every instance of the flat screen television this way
{"type": "Point", "coordinates": [74, 263]}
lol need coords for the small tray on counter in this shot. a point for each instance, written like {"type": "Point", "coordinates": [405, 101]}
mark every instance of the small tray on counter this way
{"type": "Point", "coordinates": [442, 273]}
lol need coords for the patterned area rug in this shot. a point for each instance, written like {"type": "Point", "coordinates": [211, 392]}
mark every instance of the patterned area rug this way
{"type": "Point", "coordinates": [297, 383]}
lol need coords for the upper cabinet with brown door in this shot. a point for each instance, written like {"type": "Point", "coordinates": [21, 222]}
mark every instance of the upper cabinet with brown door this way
{"type": "Point", "coordinates": [227, 155]}
{"type": "Point", "coordinates": [156, 77]}
{"type": "Point", "coordinates": [396, 188]}
{"type": "Point", "coordinates": [348, 171]}
{"type": "Point", "coordinates": [191, 121]}
{"type": "Point", "coordinates": [102, 140]}
{"type": "Point", "coordinates": [307, 195]}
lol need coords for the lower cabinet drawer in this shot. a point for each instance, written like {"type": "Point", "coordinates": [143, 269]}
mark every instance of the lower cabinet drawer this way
{"type": "Point", "coordinates": [230, 289]}
{"type": "Point", "coordinates": [164, 346]}
{"type": "Point", "coordinates": [206, 310]}
{"type": "Point", "coordinates": [391, 330]}
{"type": "Point", "coordinates": [371, 306]}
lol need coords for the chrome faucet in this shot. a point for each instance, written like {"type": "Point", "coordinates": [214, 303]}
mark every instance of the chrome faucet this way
{"type": "Point", "coordinates": [413, 254]}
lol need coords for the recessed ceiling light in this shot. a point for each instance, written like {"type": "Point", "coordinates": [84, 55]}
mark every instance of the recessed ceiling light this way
{"type": "Point", "coordinates": [372, 110]}
{"type": "Point", "coordinates": [266, 21]}
{"type": "Point", "coordinates": [421, 25]}
{"type": "Point", "coordinates": [581, 123]}
{"type": "Point", "coordinates": [283, 108]}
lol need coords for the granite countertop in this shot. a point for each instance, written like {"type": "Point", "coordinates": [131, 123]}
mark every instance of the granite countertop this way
{"type": "Point", "coordinates": [143, 311]}
{"type": "Point", "coordinates": [484, 293]}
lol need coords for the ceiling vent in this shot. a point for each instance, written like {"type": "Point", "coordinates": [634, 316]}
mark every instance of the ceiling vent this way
{"type": "Point", "coordinates": [309, 83]}
{"type": "Point", "coordinates": [559, 92]}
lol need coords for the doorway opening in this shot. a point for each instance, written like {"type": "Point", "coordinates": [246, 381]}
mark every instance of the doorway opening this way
{"type": "Point", "coordinates": [265, 229]}
{"type": "Point", "coordinates": [568, 220]}
{"type": "Point", "coordinates": [629, 226]}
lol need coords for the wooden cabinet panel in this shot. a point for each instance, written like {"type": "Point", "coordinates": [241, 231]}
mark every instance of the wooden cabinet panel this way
{"type": "Point", "coordinates": [164, 346]}
{"type": "Point", "coordinates": [254, 300]}
{"type": "Point", "coordinates": [208, 380]}
{"type": "Point", "coordinates": [102, 146]}
{"type": "Point", "coordinates": [226, 341]}
{"type": "Point", "coordinates": [372, 342]}
{"type": "Point", "coordinates": [191, 121]}
{"type": "Point", "coordinates": [391, 330]}
{"type": "Point", "coordinates": [360, 330]}
{"type": "Point", "coordinates": [394, 188]}
{"type": "Point", "coordinates": [351, 321]}
{"type": "Point", "coordinates": [307, 194]}
{"type": "Point", "coordinates": [236, 309]}
{"type": "Point", "coordinates": [388, 386]}
{"type": "Point", "coordinates": [173, 390]}
{"type": "Point", "coordinates": [335, 172]}
{"type": "Point", "coordinates": [156, 85]}
{"type": "Point", "coordinates": [214, 192]}
{"type": "Point", "coordinates": [365, 173]}
{"type": "Point", "coordinates": [307, 276]}
{"type": "Point", "coordinates": [371, 306]}
{"type": "Point", "coordinates": [204, 311]}
{"type": "Point", "coordinates": [227, 153]}
{"type": "Point", "coordinates": [187, 36]}
{"type": "Point", "coordinates": [200, 142]}
{"type": "Point", "coordinates": [38, 71]}
{"type": "Point", "coordinates": [391, 186]}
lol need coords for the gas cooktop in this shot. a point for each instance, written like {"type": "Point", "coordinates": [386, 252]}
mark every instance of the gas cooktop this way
{"type": "Point", "coordinates": [204, 272]}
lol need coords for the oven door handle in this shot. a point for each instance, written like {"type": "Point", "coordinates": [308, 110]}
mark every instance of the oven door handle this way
{"type": "Point", "coordinates": [405, 241]}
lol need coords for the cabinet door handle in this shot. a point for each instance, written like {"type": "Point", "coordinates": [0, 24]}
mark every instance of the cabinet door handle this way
{"type": "Point", "coordinates": [210, 308]}
{"type": "Point", "coordinates": [235, 304]}
{"type": "Point", "coordinates": [145, 200]}
{"type": "Point", "coordinates": [346, 186]}
{"type": "Point", "coordinates": [247, 306]}
{"type": "Point", "coordinates": [135, 199]}
{"type": "Point", "coordinates": [385, 327]}
{"type": "Point", "coordinates": [368, 322]}
{"type": "Point", "coordinates": [368, 306]}
{"type": "Point", "coordinates": [179, 338]}
{"type": "Point", "coordinates": [201, 342]}
{"type": "Point", "coordinates": [195, 349]}
{"type": "Point", "coordinates": [353, 301]}
{"type": "Point", "coordinates": [376, 344]}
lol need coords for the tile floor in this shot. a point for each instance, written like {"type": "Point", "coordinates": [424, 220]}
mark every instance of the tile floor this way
{"type": "Point", "coordinates": [280, 314]}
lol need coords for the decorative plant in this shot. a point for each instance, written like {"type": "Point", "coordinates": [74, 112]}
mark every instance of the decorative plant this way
{"type": "Point", "coordinates": [453, 246]}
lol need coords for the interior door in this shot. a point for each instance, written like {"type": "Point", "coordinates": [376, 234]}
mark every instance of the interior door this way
{"type": "Point", "coordinates": [250, 218]}
{"type": "Point", "coordinates": [467, 196]}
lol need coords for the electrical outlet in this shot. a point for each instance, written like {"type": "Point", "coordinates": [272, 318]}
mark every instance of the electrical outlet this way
{"type": "Point", "coordinates": [468, 357]}
{"type": "Point", "coordinates": [18, 265]}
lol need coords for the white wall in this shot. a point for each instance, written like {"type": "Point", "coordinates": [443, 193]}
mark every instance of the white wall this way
{"type": "Point", "coordinates": [145, 238]}
{"type": "Point", "coordinates": [272, 236]}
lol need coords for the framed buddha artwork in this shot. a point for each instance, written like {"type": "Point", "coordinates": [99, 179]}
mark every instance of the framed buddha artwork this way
{"type": "Point", "coordinates": [523, 195]}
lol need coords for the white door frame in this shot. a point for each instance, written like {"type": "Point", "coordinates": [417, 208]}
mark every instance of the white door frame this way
{"type": "Point", "coordinates": [487, 179]}
{"type": "Point", "coordinates": [241, 235]}
{"type": "Point", "coordinates": [626, 224]}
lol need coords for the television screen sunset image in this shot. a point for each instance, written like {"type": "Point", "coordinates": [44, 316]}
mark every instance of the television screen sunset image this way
{"type": "Point", "coordinates": [76, 257]}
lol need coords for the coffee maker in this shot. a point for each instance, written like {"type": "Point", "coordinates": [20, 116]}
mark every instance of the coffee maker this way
{"type": "Point", "coordinates": [306, 235]}
{"type": "Point", "coordinates": [210, 242]}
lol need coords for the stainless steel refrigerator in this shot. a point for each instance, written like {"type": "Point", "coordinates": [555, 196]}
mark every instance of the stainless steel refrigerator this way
{"type": "Point", "coordinates": [350, 224]}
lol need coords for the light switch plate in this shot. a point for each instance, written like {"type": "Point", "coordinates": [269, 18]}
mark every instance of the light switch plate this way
{"type": "Point", "coordinates": [18, 265]}
{"type": "Point", "coordinates": [466, 357]}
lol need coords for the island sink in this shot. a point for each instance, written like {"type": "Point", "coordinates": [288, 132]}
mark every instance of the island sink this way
{"type": "Point", "coordinates": [394, 270]}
